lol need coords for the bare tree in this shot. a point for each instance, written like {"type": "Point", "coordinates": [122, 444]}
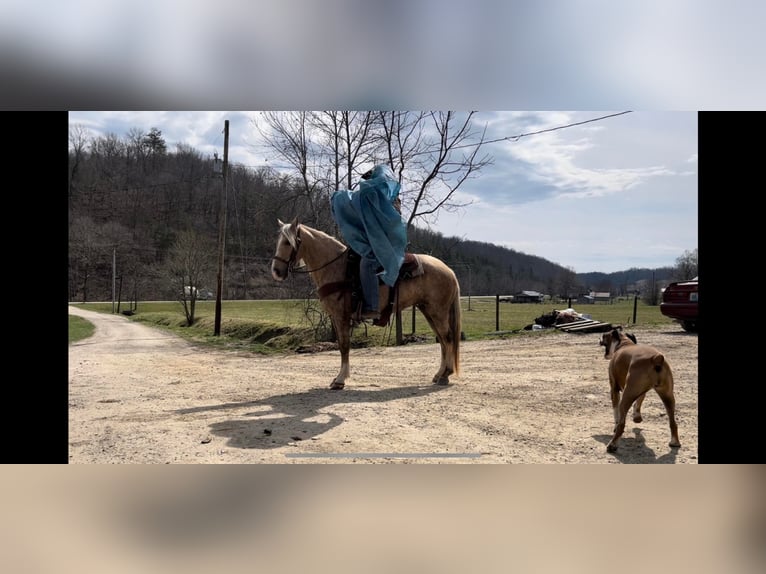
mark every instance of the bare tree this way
{"type": "Point", "coordinates": [568, 284]}
{"type": "Point", "coordinates": [650, 292]}
{"type": "Point", "coordinates": [190, 263]}
{"type": "Point", "coordinates": [430, 167]}
{"type": "Point", "coordinates": [686, 266]}
{"type": "Point", "coordinates": [83, 255]}
{"type": "Point", "coordinates": [288, 135]}
{"type": "Point", "coordinates": [345, 141]}
{"type": "Point", "coordinates": [436, 153]}
{"type": "Point", "coordinates": [78, 140]}
{"type": "Point", "coordinates": [433, 153]}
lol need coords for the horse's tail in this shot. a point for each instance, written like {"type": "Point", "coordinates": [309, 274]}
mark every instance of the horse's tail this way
{"type": "Point", "coordinates": [454, 327]}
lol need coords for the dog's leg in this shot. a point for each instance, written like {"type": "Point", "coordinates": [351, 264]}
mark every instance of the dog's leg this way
{"type": "Point", "coordinates": [614, 390]}
{"type": "Point", "coordinates": [637, 418]}
{"type": "Point", "coordinates": [629, 396]}
{"type": "Point", "coordinates": [669, 400]}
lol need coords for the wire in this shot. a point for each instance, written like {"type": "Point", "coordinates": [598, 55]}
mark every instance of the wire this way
{"type": "Point", "coordinates": [506, 138]}
{"type": "Point", "coordinates": [518, 137]}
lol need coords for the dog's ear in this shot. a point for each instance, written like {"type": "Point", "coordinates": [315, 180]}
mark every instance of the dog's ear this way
{"type": "Point", "coordinates": [632, 337]}
{"type": "Point", "coordinates": [606, 341]}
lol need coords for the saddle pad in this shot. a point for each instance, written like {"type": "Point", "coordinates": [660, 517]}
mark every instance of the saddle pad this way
{"type": "Point", "coordinates": [411, 266]}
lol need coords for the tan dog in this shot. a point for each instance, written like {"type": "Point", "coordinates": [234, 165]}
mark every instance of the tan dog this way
{"type": "Point", "coordinates": [633, 370]}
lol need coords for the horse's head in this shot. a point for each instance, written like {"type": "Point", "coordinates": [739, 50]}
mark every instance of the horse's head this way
{"type": "Point", "coordinates": [288, 244]}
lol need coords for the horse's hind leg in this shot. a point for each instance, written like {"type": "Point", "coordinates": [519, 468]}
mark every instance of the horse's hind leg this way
{"type": "Point", "coordinates": [441, 328]}
{"type": "Point", "coordinates": [442, 375]}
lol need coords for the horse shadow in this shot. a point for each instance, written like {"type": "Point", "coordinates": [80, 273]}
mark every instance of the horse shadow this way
{"type": "Point", "coordinates": [275, 421]}
{"type": "Point", "coordinates": [634, 450]}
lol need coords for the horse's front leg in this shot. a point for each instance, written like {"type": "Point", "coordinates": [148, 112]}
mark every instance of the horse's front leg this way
{"type": "Point", "coordinates": [343, 330]}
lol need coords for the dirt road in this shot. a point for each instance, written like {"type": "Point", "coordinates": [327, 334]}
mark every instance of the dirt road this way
{"type": "Point", "coordinates": [139, 395]}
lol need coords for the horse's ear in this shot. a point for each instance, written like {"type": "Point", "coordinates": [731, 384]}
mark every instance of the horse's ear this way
{"type": "Point", "coordinates": [294, 225]}
{"type": "Point", "coordinates": [280, 222]}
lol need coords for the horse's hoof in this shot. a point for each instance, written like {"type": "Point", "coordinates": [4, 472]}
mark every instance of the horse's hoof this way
{"type": "Point", "coordinates": [337, 386]}
{"type": "Point", "coordinates": [444, 381]}
{"type": "Point", "coordinates": [674, 444]}
{"type": "Point", "coordinates": [611, 447]}
{"type": "Point", "coordinates": [637, 419]}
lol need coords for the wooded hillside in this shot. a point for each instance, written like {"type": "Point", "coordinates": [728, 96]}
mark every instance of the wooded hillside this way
{"type": "Point", "coordinates": [131, 199]}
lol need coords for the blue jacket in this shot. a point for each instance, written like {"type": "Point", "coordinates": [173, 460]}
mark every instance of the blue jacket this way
{"type": "Point", "coordinates": [370, 224]}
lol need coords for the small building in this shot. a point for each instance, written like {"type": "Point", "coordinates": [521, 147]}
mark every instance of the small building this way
{"type": "Point", "coordinates": [604, 297]}
{"type": "Point", "coordinates": [528, 297]}
{"type": "Point", "coordinates": [595, 297]}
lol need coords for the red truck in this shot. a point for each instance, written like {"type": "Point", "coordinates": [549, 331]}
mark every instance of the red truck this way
{"type": "Point", "coordinates": [680, 303]}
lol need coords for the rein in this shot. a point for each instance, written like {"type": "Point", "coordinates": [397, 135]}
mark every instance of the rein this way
{"type": "Point", "coordinates": [333, 260]}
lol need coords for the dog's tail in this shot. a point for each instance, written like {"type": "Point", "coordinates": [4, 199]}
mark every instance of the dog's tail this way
{"type": "Point", "coordinates": [658, 361]}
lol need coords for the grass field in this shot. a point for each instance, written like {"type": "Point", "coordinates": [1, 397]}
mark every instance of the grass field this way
{"type": "Point", "coordinates": [79, 328]}
{"type": "Point", "coordinates": [276, 325]}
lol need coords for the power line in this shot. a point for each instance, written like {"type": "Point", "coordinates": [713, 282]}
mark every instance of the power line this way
{"type": "Point", "coordinates": [514, 138]}
{"type": "Point", "coordinates": [518, 137]}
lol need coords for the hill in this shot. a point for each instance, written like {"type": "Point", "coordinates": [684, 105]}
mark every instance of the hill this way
{"type": "Point", "coordinates": [130, 200]}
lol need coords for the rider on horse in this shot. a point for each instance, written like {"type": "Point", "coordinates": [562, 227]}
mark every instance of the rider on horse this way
{"type": "Point", "coordinates": [373, 227]}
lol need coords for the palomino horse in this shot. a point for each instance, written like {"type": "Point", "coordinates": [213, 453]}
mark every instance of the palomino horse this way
{"type": "Point", "coordinates": [436, 292]}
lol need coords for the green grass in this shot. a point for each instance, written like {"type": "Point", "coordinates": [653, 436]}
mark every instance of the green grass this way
{"type": "Point", "coordinates": [270, 326]}
{"type": "Point", "coordinates": [79, 328]}
{"type": "Point", "coordinates": [482, 318]}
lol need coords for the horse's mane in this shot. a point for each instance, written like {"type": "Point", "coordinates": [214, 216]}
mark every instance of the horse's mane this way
{"type": "Point", "coordinates": [318, 233]}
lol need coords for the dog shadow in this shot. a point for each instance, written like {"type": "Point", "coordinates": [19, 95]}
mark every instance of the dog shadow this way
{"type": "Point", "coordinates": [276, 421]}
{"type": "Point", "coordinates": [634, 450]}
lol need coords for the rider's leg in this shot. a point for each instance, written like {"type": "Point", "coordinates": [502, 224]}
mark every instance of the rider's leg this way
{"type": "Point", "coordinates": [368, 274]}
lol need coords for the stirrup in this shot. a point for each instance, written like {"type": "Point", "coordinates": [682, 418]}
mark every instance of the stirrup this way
{"type": "Point", "coordinates": [369, 315]}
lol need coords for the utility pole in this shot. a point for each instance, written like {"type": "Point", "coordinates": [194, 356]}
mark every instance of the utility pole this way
{"type": "Point", "coordinates": [222, 229]}
{"type": "Point", "coordinates": [114, 275]}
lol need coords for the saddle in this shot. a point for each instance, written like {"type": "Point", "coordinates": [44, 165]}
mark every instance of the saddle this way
{"type": "Point", "coordinates": [411, 267]}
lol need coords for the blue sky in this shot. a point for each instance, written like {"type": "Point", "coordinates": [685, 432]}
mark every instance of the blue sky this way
{"type": "Point", "coordinates": [603, 196]}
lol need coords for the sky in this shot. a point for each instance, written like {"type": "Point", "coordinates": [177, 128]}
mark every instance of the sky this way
{"type": "Point", "coordinates": [555, 195]}
{"type": "Point", "coordinates": [605, 196]}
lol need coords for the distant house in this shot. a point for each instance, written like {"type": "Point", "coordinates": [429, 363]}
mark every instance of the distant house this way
{"type": "Point", "coordinates": [528, 297]}
{"type": "Point", "coordinates": [604, 297]}
{"type": "Point", "coordinates": [595, 297]}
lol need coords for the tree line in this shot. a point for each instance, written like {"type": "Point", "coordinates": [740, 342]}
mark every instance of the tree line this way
{"type": "Point", "coordinates": [138, 209]}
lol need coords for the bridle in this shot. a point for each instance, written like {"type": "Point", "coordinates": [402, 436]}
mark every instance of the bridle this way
{"type": "Point", "coordinates": [290, 262]}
